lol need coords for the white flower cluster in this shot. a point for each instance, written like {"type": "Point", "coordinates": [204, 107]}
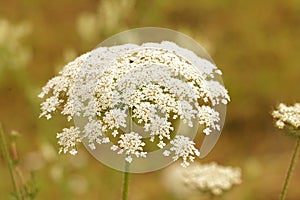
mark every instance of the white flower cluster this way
{"type": "Point", "coordinates": [211, 178]}
{"type": "Point", "coordinates": [68, 139]}
{"type": "Point", "coordinates": [183, 148]}
{"type": "Point", "coordinates": [151, 85]}
{"type": "Point", "coordinates": [287, 115]}
{"type": "Point", "coordinates": [132, 144]}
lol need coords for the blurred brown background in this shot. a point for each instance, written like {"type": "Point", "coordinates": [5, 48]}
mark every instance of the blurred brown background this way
{"type": "Point", "coordinates": [255, 43]}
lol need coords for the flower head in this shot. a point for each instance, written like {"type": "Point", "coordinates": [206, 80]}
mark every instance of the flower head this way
{"type": "Point", "coordinates": [288, 117]}
{"type": "Point", "coordinates": [183, 147]}
{"type": "Point", "coordinates": [211, 179]}
{"type": "Point", "coordinates": [68, 139]}
{"type": "Point", "coordinates": [130, 144]}
{"type": "Point", "coordinates": [132, 96]}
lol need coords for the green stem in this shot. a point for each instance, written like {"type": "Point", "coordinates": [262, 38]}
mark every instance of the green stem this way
{"type": "Point", "coordinates": [130, 119]}
{"type": "Point", "coordinates": [290, 170]}
{"type": "Point", "coordinates": [126, 172]}
{"type": "Point", "coordinates": [125, 182]}
{"type": "Point", "coordinates": [9, 162]}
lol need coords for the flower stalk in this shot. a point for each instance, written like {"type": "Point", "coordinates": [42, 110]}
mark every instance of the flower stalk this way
{"type": "Point", "coordinates": [125, 182]}
{"type": "Point", "coordinates": [126, 172]}
{"type": "Point", "coordinates": [288, 117]}
{"type": "Point", "coordinates": [9, 162]}
{"type": "Point", "coordinates": [290, 170]}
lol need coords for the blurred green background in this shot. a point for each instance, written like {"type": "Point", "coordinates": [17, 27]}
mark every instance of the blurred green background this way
{"type": "Point", "coordinates": [255, 43]}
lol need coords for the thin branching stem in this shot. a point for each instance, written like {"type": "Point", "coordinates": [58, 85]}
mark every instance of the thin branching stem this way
{"type": "Point", "coordinates": [290, 170]}
{"type": "Point", "coordinates": [9, 163]}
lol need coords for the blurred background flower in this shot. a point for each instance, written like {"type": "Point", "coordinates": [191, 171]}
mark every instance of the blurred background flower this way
{"type": "Point", "coordinates": [201, 180]}
{"type": "Point", "coordinates": [13, 53]}
{"type": "Point", "coordinates": [110, 17]}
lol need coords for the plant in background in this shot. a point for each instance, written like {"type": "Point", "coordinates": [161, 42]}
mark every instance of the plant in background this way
{"type": "Point", "coordinates": [109, 18]}
{"type": "Point", "coordinates": [15, 56]}
{"type": "Point", "coordinates": [208, 180]}
{"type": "Point", "coordinates": [11, 44]}
{"type": "Point", "coordinates": [22, 189]}
{"type": "Point", "coordinates": [211, 178]}
{"type": "Point", "coordinates": [288, 118]}
{"type": "Point", "coordinates": [133, 105]}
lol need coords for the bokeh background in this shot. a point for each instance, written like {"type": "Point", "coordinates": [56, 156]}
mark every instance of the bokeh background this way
{"type": "Point", "coordinates": [255, 43]}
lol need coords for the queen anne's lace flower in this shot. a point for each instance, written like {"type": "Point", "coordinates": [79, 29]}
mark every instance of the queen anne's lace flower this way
{"type": "Point", "coordinates": [93, 132]}
{"type": "Point", "coordinates": [211, 178]}
{"type": "Point", "coordinates": [68, 139]}
{"type": "Point", "coordinates": [130, 144]}
{"type": "Point", "coordinates": [209, 117]}
{"type": "Point", "coordinates": [115, 118]}
{"type": "Point", "coordinates": [151, 85]}
{"type": "Point", "coordinates": [183, 147]}
{"type": "Point", "coordinates": [288, 116]}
